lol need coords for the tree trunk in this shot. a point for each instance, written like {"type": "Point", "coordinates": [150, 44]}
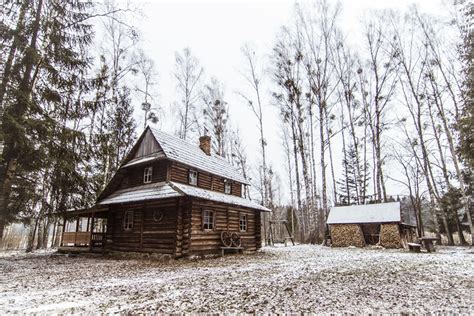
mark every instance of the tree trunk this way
{"type": "Point", "coordinates": [297, 174]}
{"type": "Point", "coordinates": [31, 236]}
{"type": "Point", "coordinates": [324, 210]}
{"type": "Point", "coordinates": [331, 162]}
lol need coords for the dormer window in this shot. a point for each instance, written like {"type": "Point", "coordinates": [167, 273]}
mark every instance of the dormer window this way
{"type": "Point", "coordinates": [147, 173]}
{"type": "Point", "coordinates": [227, 187]}
{"type": "Point", "coordinates": [193, 177]}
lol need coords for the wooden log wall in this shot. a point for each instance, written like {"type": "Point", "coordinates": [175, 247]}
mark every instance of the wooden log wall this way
{"type": "Point", "coordinates": [183, 228]}
{"type": "Point", "coordinates": [258, 230]}
{"type": "Point", "coordinates": [180, 173]}
{"type": "Point", "coordinates": [179, 233]}
{"type": "Point", "coordinates": [226, 218]}
{"type": "Point", "coordinates": [147, 234]}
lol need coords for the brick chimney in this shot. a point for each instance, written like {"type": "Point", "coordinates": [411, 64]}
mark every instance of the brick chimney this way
{"type": "Point", "coordinates": [205, 144]}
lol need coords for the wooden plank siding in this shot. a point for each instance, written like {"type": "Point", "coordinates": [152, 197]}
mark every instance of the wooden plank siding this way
{"type": "Point", "coordinates": [147, 146]}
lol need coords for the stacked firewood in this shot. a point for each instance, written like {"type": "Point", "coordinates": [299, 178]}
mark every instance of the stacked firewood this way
{"type": "Point", "coordinates": [390, 236]}
{"type": "Point", "coordinates": [345, 235]}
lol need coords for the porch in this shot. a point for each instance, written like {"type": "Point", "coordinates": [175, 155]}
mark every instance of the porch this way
{"type": "Point", "coordinates": [84, 230]}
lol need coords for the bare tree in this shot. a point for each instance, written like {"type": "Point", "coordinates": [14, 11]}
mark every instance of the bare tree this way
{"type": "Point", "coordinates": [188, 74]}
{"type": "Point", "coordinates": [216, 115]}
{"type": "Point", "coordinates": [146, 69]}
{"type": "Point", "coordinates": [377, 82]}
{"type": "Point", "coordinates": [319, 30]}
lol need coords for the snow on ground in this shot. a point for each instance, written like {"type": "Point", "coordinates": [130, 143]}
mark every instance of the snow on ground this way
{"type": "Point", "coordinates": [294, 279]}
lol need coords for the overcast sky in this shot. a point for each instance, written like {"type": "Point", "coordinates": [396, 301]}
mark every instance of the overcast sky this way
{"type": "Point", "coordinates": [216, 30]}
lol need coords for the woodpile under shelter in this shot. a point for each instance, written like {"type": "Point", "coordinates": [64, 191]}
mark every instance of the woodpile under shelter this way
{"type": "Point", "coordinates": [383, 224]}
{"type": "Point", "coordinates": [168, 197]}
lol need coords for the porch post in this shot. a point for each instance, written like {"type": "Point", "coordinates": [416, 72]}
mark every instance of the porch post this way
{"type": "Point", "coordinates": [91, 232]}
{"type": "Point", "coordinates": [77, 228]}
{"type": "Point", "coordinates": [62, 233]}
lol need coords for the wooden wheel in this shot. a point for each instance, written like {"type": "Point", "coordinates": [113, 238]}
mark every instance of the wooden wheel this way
{"type": "Point", "coordinates": [226, 238]}
{"type": "Point", "coordinates": [236, 240]}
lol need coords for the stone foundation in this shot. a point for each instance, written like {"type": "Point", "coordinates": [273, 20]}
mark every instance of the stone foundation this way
{"type": "Point", "coordinates": [390, 236]}
{"type": "Point", "coordinates": [345, 235]}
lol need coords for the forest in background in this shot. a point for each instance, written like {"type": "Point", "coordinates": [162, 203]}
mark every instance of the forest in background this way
{"type": "Point", "coordinates": [402, 98]}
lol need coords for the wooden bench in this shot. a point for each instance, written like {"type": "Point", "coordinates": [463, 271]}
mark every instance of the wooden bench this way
{"type": "Point", "coordinates": [428, 243]}
{"type": "Point", "coordinates": [414, 247]}
{"type": "Point", "coordinates": [235, 249]}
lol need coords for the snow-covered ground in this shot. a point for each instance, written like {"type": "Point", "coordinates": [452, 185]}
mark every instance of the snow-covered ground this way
{"type": "Point", "coordinates": [294, 279]}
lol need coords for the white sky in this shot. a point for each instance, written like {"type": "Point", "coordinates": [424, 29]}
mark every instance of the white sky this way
{"type": "Point", "coordinates": [215, 32]}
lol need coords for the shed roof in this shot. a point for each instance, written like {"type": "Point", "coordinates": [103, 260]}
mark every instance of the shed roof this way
{"type": "Point", "coordinates": [189, 154]}
{"type": "Point", "coordinates": [164, 190]}
{"type": "Point", "coordinates": [368, 213]}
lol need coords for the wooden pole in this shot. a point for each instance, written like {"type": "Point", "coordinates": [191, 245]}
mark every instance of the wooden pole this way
{"type": "Point", "coordinates": [91, 231]}
{"type": "Point", "coordinates": [77, 228]}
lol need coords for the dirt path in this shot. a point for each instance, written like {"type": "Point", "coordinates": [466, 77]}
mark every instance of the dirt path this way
{"type": "Point", "coordinates": [293, 279]}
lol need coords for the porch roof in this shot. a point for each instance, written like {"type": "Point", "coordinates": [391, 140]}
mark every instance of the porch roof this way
{"type": "Point", "coordinates": [153, 191]}
{"type": "Point", "coordinates": [164, 190]}
{"type": "Point", "coordinates": [368, 213]}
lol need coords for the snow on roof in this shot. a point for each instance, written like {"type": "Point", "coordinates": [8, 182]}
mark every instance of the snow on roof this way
{"type": "Point", "coordinates": [217, 196]}
{"type": "Point", "coordinates": [144, 159]}
{"type": "Point", "coordinates": [189, 154]}
{"type": "Point", "coordinates": [164, 190]}
{"type": "Point", "coordinates": [368, 213]}
{"type": "Point", "coordinates": [153, 191]}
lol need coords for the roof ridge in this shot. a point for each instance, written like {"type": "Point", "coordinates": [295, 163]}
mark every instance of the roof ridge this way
{"type": "Point", "coordinates": [177, 138]}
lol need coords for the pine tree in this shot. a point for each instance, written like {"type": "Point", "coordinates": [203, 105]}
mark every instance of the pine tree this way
{"type": "Point", "coordinates": [45, 56]}
{"type": "Point", "coordinates": [350, 181]}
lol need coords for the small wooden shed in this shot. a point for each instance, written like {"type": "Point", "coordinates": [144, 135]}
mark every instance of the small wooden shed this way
{"type": "Point", "coordinates": [383, 224]}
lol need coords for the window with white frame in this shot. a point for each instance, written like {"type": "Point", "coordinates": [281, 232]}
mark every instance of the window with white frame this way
{"type": "Point", "coordinates": [243, 222]}
{"type": "Point", "coordinates": [227, 187]}
{"type": "Point", "coordinates": [147, 174]}
{"type": "Point", "coordinates": [207, 220]}
{"type": "Point", "coordinates": [128, 220]}
{"type": "Point", "coordinates": [193, 177]}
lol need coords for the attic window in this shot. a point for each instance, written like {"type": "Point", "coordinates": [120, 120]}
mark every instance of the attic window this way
{"type": "Point", "coordinates": [147, 173]}
{"type": "Point", "coordinates": [193, 177]}
{"type": "Point", "coordinates": [227, 187]}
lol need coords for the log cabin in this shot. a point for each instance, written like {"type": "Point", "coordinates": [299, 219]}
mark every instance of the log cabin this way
{"type": "Point", "coordinates": [384, 224]}
{"type": "Point", "coordinates": [168, 197]}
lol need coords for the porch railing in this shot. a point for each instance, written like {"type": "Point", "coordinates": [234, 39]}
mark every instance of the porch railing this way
{"type": "Point", "coordinates": [83, 239]}
{"type": "Point", "coordinates": [76, 238]}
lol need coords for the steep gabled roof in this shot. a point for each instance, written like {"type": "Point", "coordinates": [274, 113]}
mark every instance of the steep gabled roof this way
{"type": "Point", "coordinates": [164, 190]}
{"type": "Point", "coordinates": [176, 149]}
{"type": "Point", "coordinates": [368, 213]}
